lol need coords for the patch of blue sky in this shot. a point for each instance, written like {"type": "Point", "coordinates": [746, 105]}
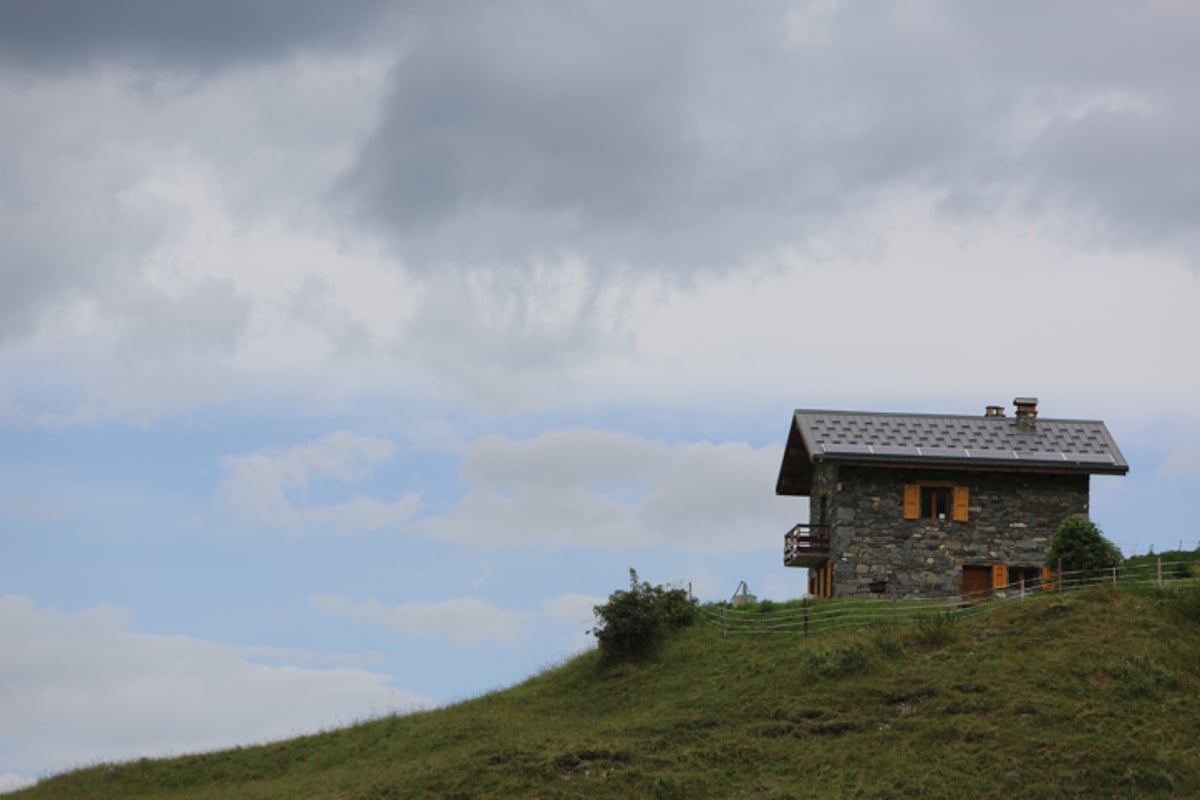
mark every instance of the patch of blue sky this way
{"type": "Point", "coordinates": [1145, 508]}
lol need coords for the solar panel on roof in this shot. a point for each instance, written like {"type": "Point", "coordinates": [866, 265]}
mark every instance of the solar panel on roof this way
{"type": "Point", "coordinates": [1039, 455]}
{"type": "Point", "coordinates": [994, 454]}
{"type": "Point", "coordinates": [1091, 458]}
{"type": "Point", "coordinates": [895, 450]}
{"type": "Point", "coordinates": [944, 452]}
{"type": "Point", "coordinates": [846, 449]}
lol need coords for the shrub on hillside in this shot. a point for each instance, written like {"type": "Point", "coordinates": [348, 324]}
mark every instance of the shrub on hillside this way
{"type": "Point", "coordinates": [633, 623]}
{"type": "Point", "coordinates": [1080, 547]}
{"type": "Point", "coordinates": [936, 629]}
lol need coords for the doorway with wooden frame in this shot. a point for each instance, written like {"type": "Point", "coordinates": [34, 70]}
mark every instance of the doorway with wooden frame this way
{"type": "Point", "coordinates": [976, 583]}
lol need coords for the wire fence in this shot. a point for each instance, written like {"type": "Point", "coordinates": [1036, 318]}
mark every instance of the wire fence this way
{"type": "Point", "coordinates": [814, 616]}
{"type": "Point", "coordinates": [1133, 549]}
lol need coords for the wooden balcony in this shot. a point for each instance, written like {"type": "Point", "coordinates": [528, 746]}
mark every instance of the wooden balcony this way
{"type": "Point", "coordinates": [806, 546]}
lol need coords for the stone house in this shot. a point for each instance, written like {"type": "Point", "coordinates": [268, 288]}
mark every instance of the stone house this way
{"type": "Point", "coordinates": [936, 504]}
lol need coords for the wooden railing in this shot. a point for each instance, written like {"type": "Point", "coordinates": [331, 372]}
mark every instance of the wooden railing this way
{"type": "Point", "coordinates": [806, 545]}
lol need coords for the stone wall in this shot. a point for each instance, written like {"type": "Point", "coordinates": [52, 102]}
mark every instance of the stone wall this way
{"type": "Point", "coordinates": [1012, 517]}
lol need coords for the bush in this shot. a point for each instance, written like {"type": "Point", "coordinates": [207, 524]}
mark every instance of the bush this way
{"type": "Point", "coordinates": [936, 629]}
{"type": "Point", "coordinates": [679, 610]}
{"type": "Point", "coordinates": [1081, 547]}
{"type": "Point", "coordinates": [633, 624]}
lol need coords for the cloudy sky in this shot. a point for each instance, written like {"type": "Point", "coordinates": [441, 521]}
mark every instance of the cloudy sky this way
{"type": "Point", "coordinates": [349, 353]}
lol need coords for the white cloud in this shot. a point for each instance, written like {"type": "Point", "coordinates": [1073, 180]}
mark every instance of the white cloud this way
{"type": "Point", "coordinates": [1184, 462]}
{"type": "Point", "coordinates": [162, 351]}
{"type": "Point", "coordinates": [594, 488]}
{"type": "Point", "coordinates": [145, 255]}
{"type": "Point", "coordinates": [77, 687]}
{"type": "Point", "coordinates": [258, 486]}
{"type": "Point", "coordinates": [572, 608]}
{"type": "Point", "coordinates": [873, 313]}
{"type": "Point", "coordinates": [462, 621]}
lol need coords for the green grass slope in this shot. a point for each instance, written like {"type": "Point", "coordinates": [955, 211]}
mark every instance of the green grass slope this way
{"type": "Point", "coordinates": [1094, 693]}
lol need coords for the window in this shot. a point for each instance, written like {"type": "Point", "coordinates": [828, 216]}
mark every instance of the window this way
{"type": "Point", "coordinates": [1029, 578]}
{"type": "Point", "coordinates": [936, 501]}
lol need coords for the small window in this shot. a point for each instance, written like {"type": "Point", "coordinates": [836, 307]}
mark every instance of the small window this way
{"type": "Point", "coordinates": [937, 501]}
{"type": "Point", "coordinates": [1029, 577]}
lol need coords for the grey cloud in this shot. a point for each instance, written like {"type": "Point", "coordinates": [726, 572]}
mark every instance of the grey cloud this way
{"type": "Point", "coordinates": [689, 138]}
{"type": "Point", "coordinates": [63, 217]}
{"type": "Point", "coordinates": [524, 126]}
{"type": "Point", "coordinates": [67, 34]}
{"type": "Point", "coordinates": [206, 321]}
{"type": "Point", "coordinates": [514, 335]}
{"type": "Point", "coordinates": [1128, 167]}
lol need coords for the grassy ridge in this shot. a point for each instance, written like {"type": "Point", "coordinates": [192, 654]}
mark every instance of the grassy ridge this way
{"type": "Point", "coordinates": [1092, 693]}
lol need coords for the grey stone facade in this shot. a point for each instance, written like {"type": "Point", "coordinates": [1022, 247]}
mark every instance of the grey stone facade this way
{"type": "Point", "coordinates": [1011, 518]}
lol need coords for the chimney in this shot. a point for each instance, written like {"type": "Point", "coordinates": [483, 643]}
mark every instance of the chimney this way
{"type": "Point", "coordinates": [1026, 413]}
{"type": "Point", "coordinates": [994, 412]}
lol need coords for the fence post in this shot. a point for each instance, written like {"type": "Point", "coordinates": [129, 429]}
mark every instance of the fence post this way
{"type": "Point", "coordinates": [1159, 561]}
{"type": "Point", "coordinates": [1114, 569]}
{"type": "Point", "coordinates": [1022, 585]}
{"type": "Point", "coordinates": [806, 616]}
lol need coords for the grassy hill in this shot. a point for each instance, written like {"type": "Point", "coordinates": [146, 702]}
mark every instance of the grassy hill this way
{"type": "Point", "coordinates": [1093, 693]}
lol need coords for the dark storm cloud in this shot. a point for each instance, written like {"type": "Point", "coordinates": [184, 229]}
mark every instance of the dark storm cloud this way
{"type": "Point", "coordinates": [693, 136]}
{"type": "Point", "coordinates": [64, 34]}
{"type": "Point", "coordinates": [525, 131]}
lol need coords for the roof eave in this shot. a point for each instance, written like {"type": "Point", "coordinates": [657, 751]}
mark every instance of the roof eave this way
{"type": "Point", "coordinates": [990, 465]}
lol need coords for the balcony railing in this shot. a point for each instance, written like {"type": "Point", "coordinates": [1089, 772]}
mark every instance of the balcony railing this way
{"type": "Point", "coordinates": [806, 546]}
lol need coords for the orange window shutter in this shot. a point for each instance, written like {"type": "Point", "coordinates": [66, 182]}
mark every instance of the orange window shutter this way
{"type": "Point", "coordinates": [962, 500]}
{"type": "Point", "coordinates": [1047, 578]}
{"type": "Point", "coordinates": [912, 501]}
{"type": "Point", "coordinates": [999, 576]}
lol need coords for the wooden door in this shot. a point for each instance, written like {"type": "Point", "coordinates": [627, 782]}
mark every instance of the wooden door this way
{"type": "Point", "coordinates": [976, 583]}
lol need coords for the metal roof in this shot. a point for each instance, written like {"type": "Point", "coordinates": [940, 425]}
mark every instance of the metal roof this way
{"type": "Point", "coordinates": [944, 440]}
